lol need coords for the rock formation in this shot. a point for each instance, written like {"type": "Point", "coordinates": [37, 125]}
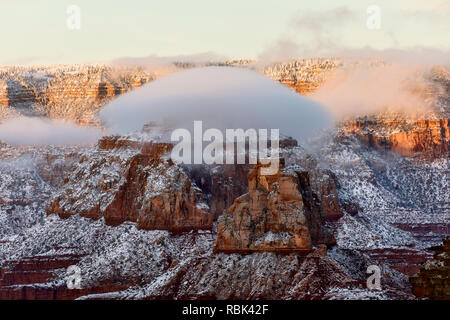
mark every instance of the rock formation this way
{"type": "Point", "coordinates": [323, 182]}
{"type": "Point", "coordinates": [303, 75]}
{"type": "Point", "coordinates": [383, 209]}
{"type": "Point", "coordinates": [433, 279]}
{"type": "Point", "coordinates": [127, 180]}
{"type": "Point", "coordinates": [220, 184]}
{"type": "Point", "coordinates": [279, 213]}
{"type": "Point", "coordinates": [429, 138]}
{"type": "Point", "coordinates": [26, 279]}
{"type": "Point", "coordinates": [69, 92]}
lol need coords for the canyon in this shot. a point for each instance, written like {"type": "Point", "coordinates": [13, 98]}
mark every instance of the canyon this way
{"type": "Point", "coordinates": [142, 227]}
{"type": "Point", "coordinates": [129, 181]}
{"type": "Point", "coordinates": [432, 280]}
{"type": "Point", "coordinates": [73, 93]}
{"type": "Point", "coordinates": [429, 138]}
{"type": "Point", "coordinates": [279, 213]}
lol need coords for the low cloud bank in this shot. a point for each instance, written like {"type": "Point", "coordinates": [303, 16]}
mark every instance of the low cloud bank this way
{"type": "Point", "coordinates": [368, 90]}
{"type": "Point", "coordinates": [41, 131]}
{"type": "Point", "coordinates": [163, 65]}
{"type": "Point", "coordinates": [221, 97]}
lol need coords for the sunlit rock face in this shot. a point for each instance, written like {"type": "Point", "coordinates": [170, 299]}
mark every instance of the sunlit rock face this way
{"type": "Point", "coordinates": [382, 208]}
{"type": "Point", "coordinates": [303, 75]}
{"type": "Point", "coordinates": [221, 97]}
{"type": "Point", "coordinates": [428, 139]}
{"type": "Point", "coordinates": [70, 92]}
{"type": "Point", "coordinates": [279, 213]}
{"type": "Point", "coordinates": [125, 180]}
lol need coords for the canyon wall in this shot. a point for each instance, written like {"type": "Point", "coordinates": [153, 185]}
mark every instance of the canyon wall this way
{"type": "Point", "coordinates": [427, 138]}
{"type": "Point", "coordinates": [303, 75]}
{"type": "Point", "coordinates": [356, 192]}
{"type": "Point", "coordinates": [279, 213]}
{"type": "Point", "coordinates": [125, 180]}
{"type": "Point", "coordinates": [433, 279]}
{"type": "Point", "coordinates": [70, 92]}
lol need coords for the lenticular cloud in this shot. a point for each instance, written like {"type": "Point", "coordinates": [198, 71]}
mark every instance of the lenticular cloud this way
{"type": "Point", "coordinates": [221, 97]}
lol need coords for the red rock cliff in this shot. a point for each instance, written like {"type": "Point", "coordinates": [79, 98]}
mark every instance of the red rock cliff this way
{"type": "Point", "coordinates": [430, 138]}
{"type": "Point", "coordinates": [125, 180]}
{"type": "Point", "coordinates": [71, 92]}
{"type": "Point", "coordinates": [277, 214]}
{"type": "Point", "coordinates": [433, 279]}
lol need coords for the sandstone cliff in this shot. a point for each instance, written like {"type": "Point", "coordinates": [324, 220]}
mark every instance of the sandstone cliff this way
{"type": "Point", "coordinates": [303, 75]}
{"type": "Point", "coordinates": [279, 213]}
{"type": "Point", "coordinates": [427, 138]}
{"type": "Point", "coordinates": [70, 92]}
{"type": "Point", "coordinates": [433, 279]}
{"type": "Point", "coordinates": [220, 184]}
{"type": "Point", "coordinates": [126, 180]}
{"type": "Point", "coordinates": [365, 196]}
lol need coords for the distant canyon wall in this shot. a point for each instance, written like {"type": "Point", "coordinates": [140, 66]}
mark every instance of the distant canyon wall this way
{"type": "Point", "coordinates": [69, 92]}
{"type": "Point", "coordinates": [303, 75]}
{"type": "Point", "coordinates": [77, 93]}
{"type": "Point", "coordinates": [427, 138]}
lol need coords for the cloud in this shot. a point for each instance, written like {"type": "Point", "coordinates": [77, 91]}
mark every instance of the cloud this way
{"type": "Point", "coordinates": [342, 32]}
{"type": "Point", "coordinates": [41, 131]}
{"type": "Point", "coordinates": [418, 56]}
{"type": "Point", "coordinates": [364, 86]}
{"type": "Point", "coordinates": [163, 65]}
{"type": "Point", "coordinates": [319, 31]}
{"type": "Point", "coordinates": [320, 25]}
{"type": "Point", "coordinates": [364, 90]}
{"type": "Point", "coordinates": [223, 98]}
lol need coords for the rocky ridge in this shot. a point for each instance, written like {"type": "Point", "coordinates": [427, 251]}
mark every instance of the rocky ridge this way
{"type": "Point", "coordinates": [167, 264]}
{"type": "Point", "coordinates": [383, 208]}
{"type": "Point", "coordinates": [279, 213]}
{"type": "Point", "coordinates": [72, 92]}
{"type": "Point", "coordinates": [127, 180]}
{"type": "Point", "coordinates": [433, 279]}
{"type": "Point", "coordinates": [426, 138]}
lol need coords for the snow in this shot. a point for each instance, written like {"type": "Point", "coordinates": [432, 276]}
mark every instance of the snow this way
{"type": "Point", "coordinates": [356, 294]}
{"type": "Point", "coordinates": [389, 189]}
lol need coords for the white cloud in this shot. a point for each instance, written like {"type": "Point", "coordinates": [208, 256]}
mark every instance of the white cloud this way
{"type": "Point", "coordinates": [41, 131]}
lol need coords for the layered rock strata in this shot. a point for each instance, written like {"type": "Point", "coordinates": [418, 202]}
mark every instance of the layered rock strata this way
{"type": "Point", "coordinates": [126, 180]}
{"type": "Point", "coordinates": [433, 279]}
{"type": "Point", "coordinates": [429, 138]}
{"type": "Point", "coordinates": [69, 92]}
{"type": "Point", "coordinates": [302, 75]}
{"type": "Point", "coordinates": [279, 213]}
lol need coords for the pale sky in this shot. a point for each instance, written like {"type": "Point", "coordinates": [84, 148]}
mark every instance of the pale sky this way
{"type": "Point", "coordinates": [36, 32]}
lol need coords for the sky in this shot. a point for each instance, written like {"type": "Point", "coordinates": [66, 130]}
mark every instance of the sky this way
{"type": "Point", "coordinates": [36, 31]}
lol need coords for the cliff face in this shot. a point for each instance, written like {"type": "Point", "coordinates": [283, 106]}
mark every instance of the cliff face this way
{"type": "Point", "coordinates": [303, 75]}
{"type": "Point", "coordinates": [429, 138]}
{"type": "Point", "coordinates": [26, 279]}
{"type": "Point", "coordinates": [279, 213]}
{"type": "Point", "coordinates": [221, 184]}
{"type": "Point", "coordinates": [125, 180]}
{"type": "Point", "coordinates": [70, 92]}
{"type": "Point", "coordinates": [119, 200]}
{"type": "Point", "coordinates": [433, 279]}
{"type": "Point", "coordinates": [156, 265]}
